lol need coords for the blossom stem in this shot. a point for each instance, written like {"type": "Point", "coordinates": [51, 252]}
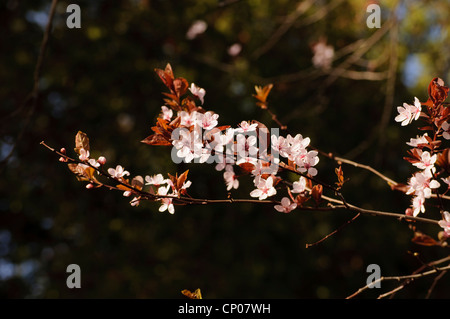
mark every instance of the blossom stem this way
{"type": "Point", "coordinates": [342, 204]}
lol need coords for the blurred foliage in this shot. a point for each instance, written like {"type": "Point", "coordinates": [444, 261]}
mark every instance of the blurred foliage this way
{"type": "Point", "coordinates": [99, 79]}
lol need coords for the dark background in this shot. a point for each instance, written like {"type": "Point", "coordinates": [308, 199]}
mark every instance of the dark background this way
{"type": "Point", "coordinates": [99, 79]}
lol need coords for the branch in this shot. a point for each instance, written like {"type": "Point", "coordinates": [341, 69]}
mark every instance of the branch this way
{"type": "Point", "coordinates": [32, 97]}
{"type": "Point", "coordinates": [334, 232]}
{"type": "Point", "coordinates": [342, 204]}
{"type": "Point", "coordinates": [301, 8]}
{"type": "Point", "coordinates": [408, 278]}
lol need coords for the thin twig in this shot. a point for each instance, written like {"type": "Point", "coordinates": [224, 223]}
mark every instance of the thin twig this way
{"type": "Point", "coordinates": [407, 278]}
{"type": "Point", "coordinates": [438, 277]}
{"type": "Point", "coordinates": [288, 21]}
{"type": "Point", "coordinates": [32, 97]}
{"type": "Point", "coordinates": [189, 200]}
{"type": "Point", "coordinates": [334, 232]}
{"type": "Point", "coordinates": [357, 54]}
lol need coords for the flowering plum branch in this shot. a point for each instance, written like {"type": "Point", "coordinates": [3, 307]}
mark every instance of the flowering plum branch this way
{"type": "Point", "coordinates": [427, 153]}
{"type": "Point", "coordinates": [250, 149]}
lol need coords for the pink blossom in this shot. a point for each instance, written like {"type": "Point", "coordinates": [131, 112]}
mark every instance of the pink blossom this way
{"type": "Point", "coordinates": [323, 55]}
{"type": "Point", "coordinates": [446, 130]}
{"type": "Point", "coordinates": [421, 182]}
{"type": "Point", "coordinates": [258, 169]}
{"type": "Point", "coordinates": [408, 112]}
{"type": "Point", "coordinates": [414, 142]}
{"type": "Point", "coordinates": [418, 204]}
{"type": "Point", "coordinates": [166, 201]}
{"type": "Point", "coordinates": [297, 145]}
{"type": "Point", "coordinates": [84, 155]}
{"type": "Point", "coordinates": [187, 119]}
{"type": "Point", "coordinates": [426, 161]}
{"type": "Point", "coordinates": [230, 178]}
{"type": "Point", "coordinates": [127, 193]}
{"type": "Point", "coordinates": [234, 49]}
{"type": "Point", "coordinates": [93, 162]}
{"type": "Point", "coordinates": [445, 224]}
{"type": "Point", "coordinates": [188, 145]}
{"type": "Point", "coordinates": [208, 120]}
{"type": "Point", "coordinates": [227, 137]}
{"type": "Point", "coordinates": [306, 162]}
{"type": "Point", "coordinates": [198, 92]}
{"type": "Point", "coordinates": [96, 163]}
{"type": "Point", "coordinates": [265, 189]}
{"type": "Point", "coordinates": [196, 28]}
{"type": "Point", "coordinates": [286, 206]}
{"type": "Point", "coordinates": [156, 180]}
{"type": "Point", "coordinates": [446, 181]}
{"type": "Point", "coordinates": [167, 113]}
{"type": "Point", "coordinates": [223, 160]}
{"type": "Point", "coordinates": [245, 126]}
{"type": "Point", "coordinates": [280, 145]}
{"type": "Point", "coordinates": [119, 172]}
{"type": "Point", "coordinates": [135, 201]}
{"type": "Point", "coordinates": [300, 186]}
{"type": "Point", "coordinates": [186, 185]}
{"type": "Point", "coordinates": [245, 146]}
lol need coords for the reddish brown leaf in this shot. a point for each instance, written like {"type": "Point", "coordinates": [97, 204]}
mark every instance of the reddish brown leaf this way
{"type": "Point", "coordinates": [443, 160]}
{"type": "Point", "coordinates": [424, 240]}
{"type": "Point", "coordinates": [156, 139]}
{"type": "Point", "coordinates": [426, 128]}
{"type": "Point", "coordinates": [262, 93]}
{"type": "Point", "coordinates": [124, 187]}
{"type": "Point", "coordinates": [415, 156]}
{"type": "Point", "coordinates": [173, 179]}
{"type": "Point", "coordinates": [399, 187]}
{"type": "Point", "coordinates": [166, 76]}
{"type": "Point", "coordinates": [316, 193]}
{"type": "Point", "coordinates": [437, 91]}
{"type": "Point", "coordinates": [192, 295]}
{"type": "Point", "coordinates": [81, 141]}
{"type": "Point", "coordinates": [247, 168]}
{"type": "Point", "coordinates": [180, 86]}
{"type": "Point", "coordinates": [301, 199]}
{"type": "Point", "coordinates": [340, 176]}
{"type": "Point", "coordinates": [137, 182]}
{"type": "Point", "coordinates": [181, 180]}
{"type": "Point", "coordinates": [82, 172]}
{"type": "Point", "coordinates": [171, 96]}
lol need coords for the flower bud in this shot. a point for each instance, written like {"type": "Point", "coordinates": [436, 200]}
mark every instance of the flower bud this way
{"type": "Point", "coordinates": [409, 212]}
{"type": "Point", "coordinates": [101, 160]}
{"type": "Point", "coordinates": [89, 186]}
{"type": "Point", "coordinates": [63, 150]}
{"type": "Point", "coordinates": [126, 193]}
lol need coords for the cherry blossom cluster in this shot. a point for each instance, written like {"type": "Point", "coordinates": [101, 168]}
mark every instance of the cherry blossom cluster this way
{"type": "Point", "coordinates": [427, 153]}
{"type": "Point", "coordinates": [159, 188]}
{"type": "Point", "coordinates": [251, 150]}
{"type": "Point", "coordinates": [197, 139]}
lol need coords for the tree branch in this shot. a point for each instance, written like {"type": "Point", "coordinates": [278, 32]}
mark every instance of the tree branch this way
{"type": "Point", "coordinates": [32, 97]}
